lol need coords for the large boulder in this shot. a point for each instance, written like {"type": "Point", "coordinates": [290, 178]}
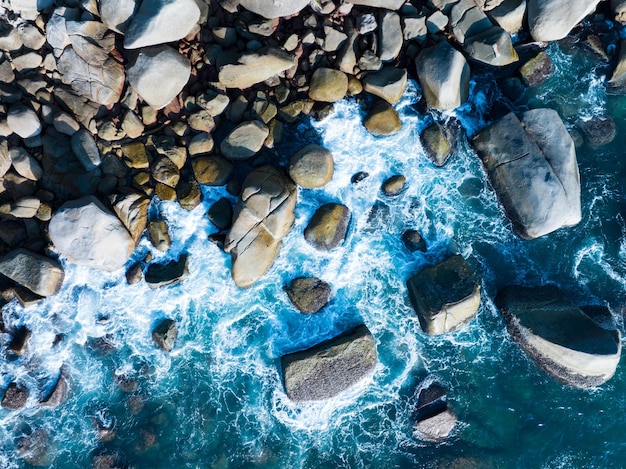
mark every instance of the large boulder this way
{"type": "Point", "coordinates": [116, 14]}
{"type": "Point", "coordinates": [325, 370]}
{"type": "Point", "coordinates": [158, 74]}
{"type": "Point", "coordinates": [164, 334]}
{"type": "Point", "coordinates": [253, 68]}
{"type": "Point", "coordinates": [561, 339]}
{"type": "Point", "coordinates": [385, 4]}
{"type": "Point", "coordinates": [532, 166]}
{"type": "Point", "coordinates": [617, 82]}
{"type": "Point", "coordinates": [551, 20]}
{"type": "Point", "coordinates": [161, 21]}
{"type": "Point", "coordinates": [492, 47]}
{"type": "Point", "coordinates": [382, 120]}
{"type": "Point", "coordinates": [444, 76]}
{"type": "Point", "coordinates": [245, 140]}
{"type": "Point", "coordinates": [40, 274]}
{"type": "Point", "coordinates": [264, 215]}
{"type": "Point", "coordinates": [308, 294]}
{"type": "Point", "coordinates": [88, 234]}
{"type": "Point", "coordinates": [389, 83]}
{"type": "Point", "coordinates": [328, 226]}
{"type": "Point", "coordinates": [168, 273]}
{"type": "Point", "coordinates": [445, 296]}
{"type": "Point", "coordinates": [274, 8]}
{"type": "Point", "coordinates": [435, 420]}
{"type": "Point", "coordinates": [509, 15]}
{"type": "Point", "coordinates": [328, 85]}
{"type": "Point", "coordinates": [311, 167]}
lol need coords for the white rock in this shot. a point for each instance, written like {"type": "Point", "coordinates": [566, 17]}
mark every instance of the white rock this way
{"type": "Point", "coordinates": [274, 8]}
{"type": "Point", "coordinates": [158, 74]}
{"type": "Point", "coordinates": [161, 21]}
{"type": "Point", "coordinates": [85, 149]}
{"type": "Point", "coordinates": [23, 121]}
{"type": "Point", "coordinates": [88, 234]}
{"type": "Point", "coordinates": [116, 14]}
{"type": "Point", "coordinates": [31, 36]}
{"type": "Point", "coordinates": [25, 165]}
{"type": "Point", "coordinates": [551, 20]}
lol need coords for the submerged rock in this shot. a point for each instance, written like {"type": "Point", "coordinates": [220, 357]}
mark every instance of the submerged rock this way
{"type": "Point", "coordinates": [57, 394]}
{"type": "Point", "coordinates": [532, 166]}
{"type": "Point", "coordinates": [445, 296]}
{"type": "Point", "coordinates": [308, 294]}
{"type": "Point", "coordinates": [536, 70]}
{"type": "Point", "coordinates": [598, 131]}
{"type": "Point", "coordinates": [413, 241]}
{"type": "Point", "coordinates": [327, 369]}
{"type": "Point", "coordinates": [561, 339]}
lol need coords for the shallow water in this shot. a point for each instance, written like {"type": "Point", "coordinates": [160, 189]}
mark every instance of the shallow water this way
{"type": "Point", "coordinates": [217, 399]}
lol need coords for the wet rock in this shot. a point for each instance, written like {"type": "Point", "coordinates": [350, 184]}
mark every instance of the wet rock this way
{"type": "Point", "coordinates": [394, 186]}
{"type": "Point", "coordinates": [212, 170]}
{"type": "Point", "coordinates": [34, 448]}
{"type": "Point", "coordinates": [444, 75]}
{"type": "Point", "coordinates": [598, 131]}
{"type": "Point", "coordinates": [274, 8]}
{"type": "Point", "coordinates": [328, 226]}
{"type": "Point", "coordinates": [38, 273]}
{"type": "Point", "coordinates": [24, 164]}
{"type": "Point", "coordinates": [359, 177]}
{"type": "Point", "coordinates": [23, 121]}
{"type": "Point", "coordinates": [161, 21]}
{"type": "Point", "coordinates": [88, 234]}
{"type": "Point", "coordinates": [264, 215]}
{"type": "Point", "coordinates": [382, 120]}
{"type": "Point", "coordinates": [254, 68]}
{"type": "Point", "coordinates": [158, 74]}
{"type": "Point", "coordinates": [164, 335]}
{"type": "Point", "coordinates": [221, 214]}
{"type": "Point", "coordinates": [108, 460]}
{"type": "Point", "coordinates": [308, 294]}
{"type": "Point", "coordinates": [413, 241]}
{"type": "Point", "coordinates": [245, 140]}
{"type": "Point", "coordinates": [15, 397]}
{"type": "Point", "coordinates": [445, 296]}
{"type": "Point", "coordinates": [532, 166]}
{"type": "Point", "coordinates": [85, 149]}
{"type": "Point", "coordinates": [551, 20]}
{"type": "Point", "coordinates": [159, 235]}
{"type": "Point", "coordinates": [329, 368]}
{"type": "Point", "coordinates": [57, 394]}
{"type": "Point", "coordinates": [170, 273]}
{"type": "Point", "coordinates": [134, 274]}
{"type": "Point", "coordinates": [558, 336]}
{"type": "Point", "coordinates": [188, 193]}
{"type": "Point", "coordinates": [311, 167]}
{"type": "Point", "coordinates": [436, 144]}
{"type": "Point", "coordinates": [435, 420]}
{"type": "Point", "coordinates": [328, 85]}
{"type": "Point", "coordinates": [389, 83]}
{"type": "Point", "coordinates": [536, 70]}
{"type": "Point", "coordinates": [19, 341]}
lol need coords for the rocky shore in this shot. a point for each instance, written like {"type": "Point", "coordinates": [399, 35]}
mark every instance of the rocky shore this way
{"type": "Point", "coordinates": [107, 104]}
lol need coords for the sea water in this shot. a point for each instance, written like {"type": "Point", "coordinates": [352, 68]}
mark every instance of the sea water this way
{"type": "Point", "coordinates": [217, 400]}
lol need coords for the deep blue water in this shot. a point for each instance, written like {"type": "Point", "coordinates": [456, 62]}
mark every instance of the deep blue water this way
{"type": "Point", "coordinates": [217, 399]}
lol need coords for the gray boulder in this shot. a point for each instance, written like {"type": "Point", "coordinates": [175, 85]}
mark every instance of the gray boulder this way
{"type": "Point", "coordinates": [23, 121]}
{"type": "Point", "coordinates": [85, 149]}
{"type": "Point", "coordinates": [158, 74]}
{"type": "Point", "coordinates": [444, 76]}
{"type": "Point", "coordinates": [245, 140]}
{"type": "Point", "coordinates": [509, 15]}
{"type": "Point", "coordinates": [551, 20]}
{"type": "Point", "coordinates": [391, 37]}
{"type": "Point", "coordinates": [263, 216]}
{"type": "Point", "coordinates": [558, 336]}
{"type": "Point", "coordinates": [253, 68]}
{"type": "Point", "coordinates": [618, 7]}
{"type": "Point", "coordinates": [492, 47]}
{"type": "Point", "coordinates": [161, 21]}
{"type": "Point", "coordinates": [116, 14]}
{"type": "Point", "coordinates": [328, 85]}
{"type": "Point", "coordinates": [532, 166]}
{"type": "Point", "coordinates": [308, 294]}
{"type": "Point", "coordinates": [327, 369]}
{"type": "Point", "coordinates": [445, 296]}
{"type": "Point", "coordinates": [389, 83]}
{"type": "Point", "coordinates": [25, 164]}
{"type": "Point", "coordinates": [39, 274]}
{"type": "Point", "coordinates": [274, 8]}
{"type": "Point", "coordinates": [88, 234]}
{"type": "Point", "coordinates": [328, 226]}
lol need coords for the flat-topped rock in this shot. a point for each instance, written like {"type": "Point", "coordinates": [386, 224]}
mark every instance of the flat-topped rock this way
{"type": "Point", "coordinates": [40, 274]}
{"type": "Point", "coordinates": [116, 14]}
{"type": "Point", "coordinates": [253, 68]}
{"type": "Point", "coordinates": [161, 21]}
{"type": "Point", "coordinates": [274, 8]}
{"type": "Point", "coordinates": [558, 336]}
{"type": "Point", "coordinates": [445, 296]}
{"type": "Point", "coordinates": [88, 234]}
{"type": "Point", "coordinates": [327, 369]}
{"type": "Point", "coordinates": [492, 47]}
{"type": "Point", "coordinates": [532, 166]}
{"type": "Point", "coordinates": [551, 20]}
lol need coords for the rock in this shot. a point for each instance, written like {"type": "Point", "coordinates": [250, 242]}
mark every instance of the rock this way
{"type": "Point", "coordinates": [532, 166]}
{"type": "Point", "coordinates": [39, 274]}
{"type": "Point", "coordinates": [158, 74]}
{"type": "Point", "coordinates": [536, 70]}
{"type": "Point", "coordinates": [23, 121]}
{"type": "Point", "coordinates": [328, 226]}
{"type": "Point", "coordinates": [57, 395]}
{"type": "Point", "coordinates": [551, 20]}
{"type": "Point", "coordinates": [253, 68]}
{"type": "Point", "coordinates": [435, 420]}
{"type": "Point", "coordinates": [331, 367]}
{"type": "Point", "coordinates": [164, 335]}
{"type": "Point", "coordinates": [618, 7]}
{"type": "Point", "coordinates": [245, 140]}
{"type": "Point", "coordinates": [467, 20]}
{"type": "Point", "coordinates": [170, 273]}
{"type": "Point", "coordinates": [598, 131]}
{"type": "Point", "coordinates": [134, 274]}
{"type": "Point", "coordinates": [382, 120]}
{"type": "Point", "coordinates": [436, 23]}
{"type": "Point", "coordinates": [188, 193]}
{"type": "Point", "coordinates": [159, 235]}
{"type": "Point", "coordinates": [25, 207]}
{"type": "Point", "coordinates": [413, 241]}
{"type": "Point", "coordinates": [311, 167]}
{"type": "Point", "coordinates": [161, 21]}
{"type": "Point", "coordinates": [200, 144]}
{"type": "Point", "coordinates": [221, 214]}
{"type": "Point", "coordinates": [88, 234]}
{"type": "Point", "coordinates": [5, 158]}
{"type": "Point", "coordinates": [415, 29]}
{"type": "Point", "coordinates": [212, 170]}
{"type": "Point", "coordinates": [24, 164]}
{"type": "Point", "coordinates": [561, 339]}
{"type": "Point", "coordinates": [391, 38]}
{"type": "Point", "coordinates": [165, 171]}
{"type": "Point", "coordinates": [116, 14]}
{"type": "Point", "coordinates": [492, 47]}
{"type": "Point", "coordinates": [333, 39]}
{"type": "Point", "coordinates": [10, 40]}
{"type": "Point", "coordinates": [274, 8]}
{"type": "Point", "coordinates": [264, 215]}
{"type": "Point", "coordinates": [444, 76]}
{"type": "Point", "coordinates": [394, 186]}
{"type": "Point", "coordinates": [34, 448]}
{"type": "Point", "coordinates": [383, 4]}
{"type": "Point", "coordinates": [328, 85]}
{"type": "Point", "coordinates": [445, 296]}
{"type": "Point", "coordinates": [15, 397]}
{"type": "Point", "coordinates": [308, 294]}
{"type": "Point", "coordinates": [509, 15]}
{"type": "Point", "coordinates": [19, 341]}
{"type": "Point", "coordinates": [436, 144]}
{"type": "Point", "coordinates": [617, 83]}
{"type": "Point", "coordinates": [389, 83]}
{"type": "Point", "coordinates": [85, 149]}
{"type": "Point", "coordinates": [132, 210]}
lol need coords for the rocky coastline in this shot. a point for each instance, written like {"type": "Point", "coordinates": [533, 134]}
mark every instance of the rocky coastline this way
{"type": "Point", "coordinates": [107, 104]}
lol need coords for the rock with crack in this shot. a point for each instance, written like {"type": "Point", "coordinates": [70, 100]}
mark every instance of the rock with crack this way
{"type": "Point", "coordinates": [445, 296]}
{"type": "Point", "coordinates": [264, 215]}
{"type": "Point", "coordinates": [40, 274]}
{"type": "Point", "coordinates": [531, 164]}
{"type": "Point", "coordinates": [327, 369]}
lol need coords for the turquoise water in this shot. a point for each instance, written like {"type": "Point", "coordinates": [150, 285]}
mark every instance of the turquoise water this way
{"type": "Point", "coordinates": [217, 399]}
